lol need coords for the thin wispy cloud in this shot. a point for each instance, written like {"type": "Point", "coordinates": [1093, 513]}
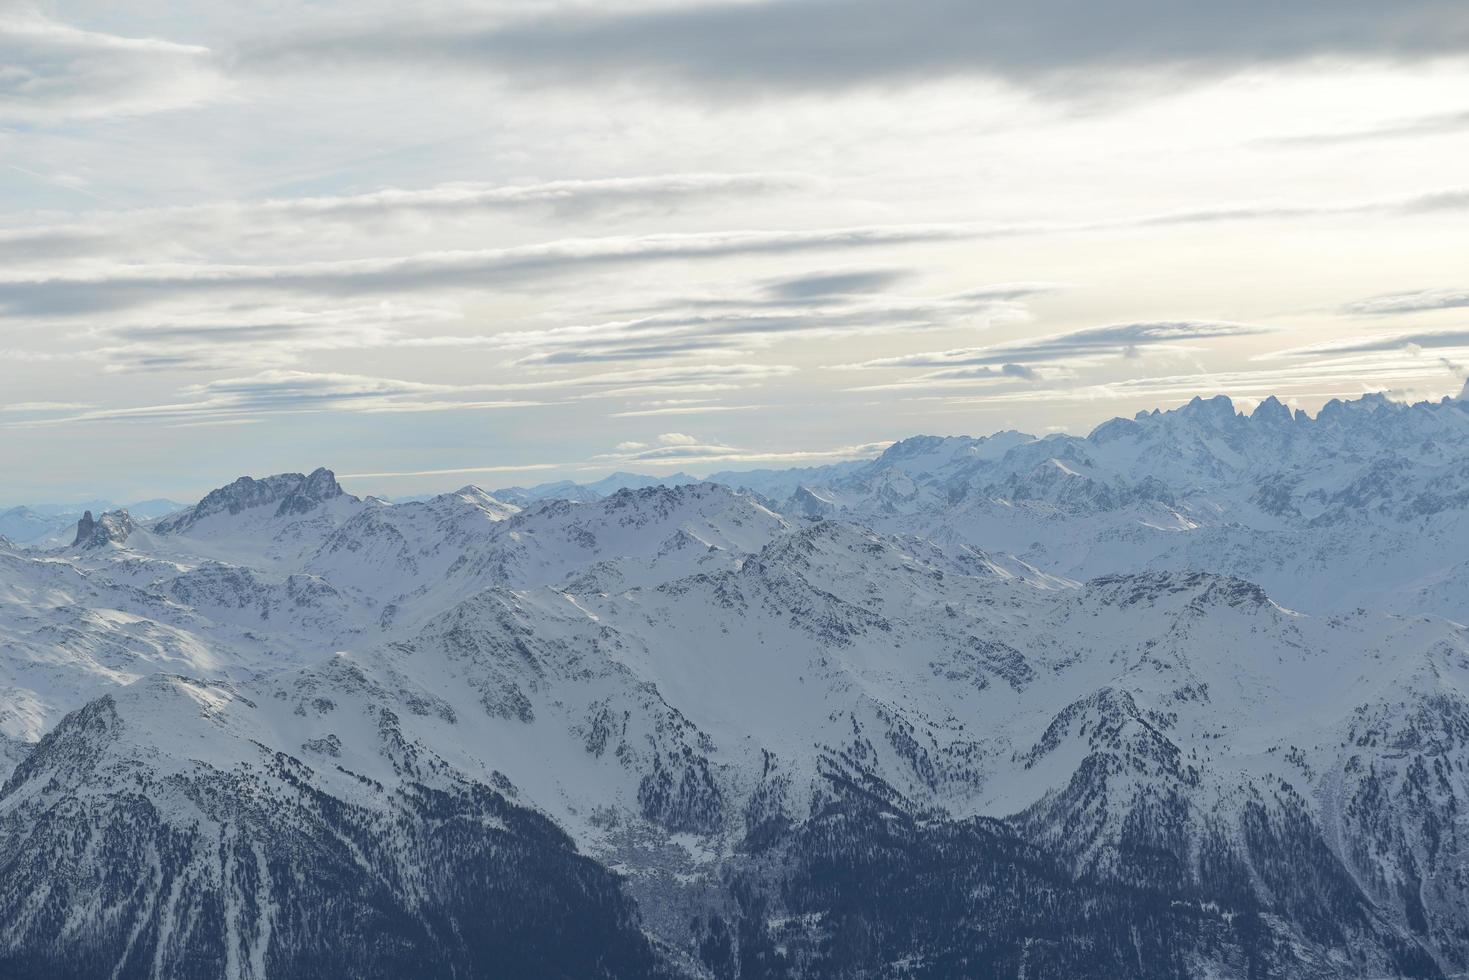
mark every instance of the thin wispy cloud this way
{"type": "Point", "coordinates": [669, 456]}
{"type": "Point", "coordinates": [679, 449]}
{"type": "Point", "coordinates": [121, 287]}
{"type": "Point", "coordinates": [1410, 341]}
{"type": "Point", "coordinates": [1413, 301]}
{"type": "Point", "coordinates": [1437, 124]}
{"type": "Point", "coordinates": [53, 71]}
{"type": "Point", "coordinates": [699, 409]}
{"type": "Point", "coordinates": [1113, 340]}
{"type": "Point", "coordinates": [1327, 378]}
{"type": "Point", "coordinates": [374, 214]}
{"type": "Point", "coordinates": [297, 392]}
{"type": "Point", "coordinates": [836, 315]}
{"type": "Point", "coordinates": [272, 336]}
{"type": "Point", "coordinates": [277, 392]}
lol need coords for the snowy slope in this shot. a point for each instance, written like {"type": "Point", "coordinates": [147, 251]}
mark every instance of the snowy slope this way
{"type": "Point", "coordinates": [1190, 692]}
{"type": "Point", "coordinates": [948, 681]}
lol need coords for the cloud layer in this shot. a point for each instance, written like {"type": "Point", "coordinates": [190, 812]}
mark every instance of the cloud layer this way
{"type": "Point", "coordinates": [702, 231]}
{"type": "Point", "coordinates": [825, 44]}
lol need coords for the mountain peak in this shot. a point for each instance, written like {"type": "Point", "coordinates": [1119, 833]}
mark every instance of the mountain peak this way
{"type": "Point", "coordinates": [289, 493]}
{"type": "Point", "coordinates": [1219, 407]}
{"type": "Point", "coordinates": [319, 486]}
{"type": "Point", "coordinates": [921, 446]}
{"type": "Point", "coordinates": [113, 527]}
{"type": "Point", "coordinates": [1271, 410]}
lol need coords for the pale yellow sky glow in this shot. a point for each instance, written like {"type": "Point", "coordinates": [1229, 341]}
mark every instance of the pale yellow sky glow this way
{"type": "Point", "coordinates": [499, 243]}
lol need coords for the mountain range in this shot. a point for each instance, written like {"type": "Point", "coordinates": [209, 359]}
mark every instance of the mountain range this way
{"type": "Point", "coordinates": [1188, 696]}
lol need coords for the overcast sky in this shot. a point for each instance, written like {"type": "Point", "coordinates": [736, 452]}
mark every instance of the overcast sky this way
{"type": "Point", "coordinates": [438, 243]}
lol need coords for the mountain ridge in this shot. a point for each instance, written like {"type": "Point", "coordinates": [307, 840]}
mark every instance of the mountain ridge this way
{"type": "Point", "coordinates": [1195, 684]}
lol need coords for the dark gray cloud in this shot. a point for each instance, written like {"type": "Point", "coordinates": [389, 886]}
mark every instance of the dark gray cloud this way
{"type": "Point", "coordinates": [822, 44]}
{"type": "Point", "coordinates": [823, 285]}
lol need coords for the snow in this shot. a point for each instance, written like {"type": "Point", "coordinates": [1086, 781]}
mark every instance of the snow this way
{"type": "Point", "coordinates": [1213, 603]}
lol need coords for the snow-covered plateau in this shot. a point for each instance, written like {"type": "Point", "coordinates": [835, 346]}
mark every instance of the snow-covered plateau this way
{"type": "Point", "coordinates": [1186, 697]}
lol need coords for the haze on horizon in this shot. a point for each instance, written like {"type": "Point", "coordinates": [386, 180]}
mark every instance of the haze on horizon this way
{"type": "Point", "coordinates": [510, 243]}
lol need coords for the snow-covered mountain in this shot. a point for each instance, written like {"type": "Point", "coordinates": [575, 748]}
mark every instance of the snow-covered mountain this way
{"type": "Point", "coordinates": [584, 492]}
{"type": "Point", "coordinates": [45, 525]}
{"type": "Point", "coordinates": [1362, 505]}
{"type": "Point", "coordinates": [1186, 697]}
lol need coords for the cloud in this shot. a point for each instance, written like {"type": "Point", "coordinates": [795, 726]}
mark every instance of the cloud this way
{"type": "Point", "coordinates": [266, 335]}
{"type": "Point", "coordinates": [677, 439]}
{"type": "Point", "coordinates": [121, 287]}
{"type": "Point", "coordinates": [826, 44]}
{"type": "Point", "coordinates": [655, 458]}
{"type": "Point", "coordinates": [968, 377]}
{"type": "Point", "coordinates": [1411, 342]}
{"type": "Point", "coordinates": [277, 391]}
{"type": "Point", "coordinates": [826, 285]}
{"type": "Point", "coordinates": [629, 352]}
{"type": "Point", "coordinates": [1414, 301]}
{"type": "Point", "coordinates": [567, 198]}
{"type": "Point", "coordinates": [1120, 339]}
{"type": "Point", "coordinates": [50, 71]}
{"type": "Point", "coordinates": [294, 392]}
{"type": "Point", "coordinates": [455, 471]}
{"type": "Point", "coordinates": [690, 378]}
{"type": "Point", "coordinates": [1324, 377]}
{"type": "Point", "coordinates": [699, 408]}
{"type": "Point", "coordinates": [763, 323]}
{"type": "Point", "coordinates": [1434, 125]}
{"type": "Point", "coordinates": [202, 227]}
{"type": "Point", "coordinates": [28, 407]}
{"type": "Point", "coordinates": [707, 451]}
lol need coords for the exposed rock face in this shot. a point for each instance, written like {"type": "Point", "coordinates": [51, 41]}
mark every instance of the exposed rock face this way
{"type": "Point", "coordinates": [287, 493]}
{"type": "Point", "coordinates": [112, 527]}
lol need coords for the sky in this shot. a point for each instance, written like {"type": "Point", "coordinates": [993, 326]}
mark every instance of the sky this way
{"type": "Point", "coordinates": [504, 243]}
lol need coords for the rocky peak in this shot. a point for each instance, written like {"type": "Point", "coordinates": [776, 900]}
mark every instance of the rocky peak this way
{"type": "Point", "coordinates": [113, 527]}
{"type": "Point", "coordinates": [1272, 411]}
{"type": "Point", "coordinates": [289, 493]}
{"type": "Point", "coordinates": [320, 486]}
{"type": "Point", "coordinates": [1219, 409]}
{"type": "Point", "coordinates": [809, 503]}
